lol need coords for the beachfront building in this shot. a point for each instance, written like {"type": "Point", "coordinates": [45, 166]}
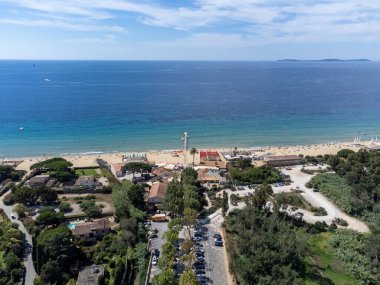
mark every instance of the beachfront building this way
{"type": "Point", "coordinates": [285, 160]}
{"type": "Point", "coordinates": [376, 148]}
{"type": "Point", "coordinates": [134, 157]}
{"type": "Point", "coordinates": [90, 275]}
{"type": "Point", "coordinates": [210, 177]}
{"type": "Point", "coordinates": [88, 181]}
{"type": "Point", "coordinates": [91, 231]}
{"type": "Point", "coordinates": [119, 169]}
{"type": "Point", "coordinates": [161, 174]}
{"type": "Point", "coordinates": [157, 193]}
{"type": "Point", "coordinates": [38, 181]}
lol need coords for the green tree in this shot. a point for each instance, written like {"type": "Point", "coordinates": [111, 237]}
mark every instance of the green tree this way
{"type": "Point", "coordinates": [49, 217]}
{"type": "Point", "coordinates": [191, 197]}
{"type": "Point", "coordinates": [56, 244]}
{"type": "Point", "coordinates": [46, 195]}
{"type": "Point", "coordinates": [21, 210]}
{"type": "Point", "coordinates": [166, 277]}
{"type": "Point", "coordinates": [11, 260]}
{"type": "Point", "coordinates": [53, 164]}
{"type": "Point", "coordinates": [91, 209]}
{"type": "Point", "coordinates": [224, 203]}
{"type": "Point", "coordinates": [189, 176]}
{"type": "Point", "coordinates": [261, 196]}
{"type": "Point", "coordinates": [193, 151]}
{"type": "Point", "coordinates": [8, 172]}
{"type": "Point", "coordinates": [120, 200]}
{"type": "Point", "coordinates": [138, 167]}
{"type": "Point", "coordinates": [136, 195]}
{"type": "Point", "coordinates": [51, 273]}
{"type": "Point", "coordinates": [188, 278]}
{"type": "Point", "coordinates": [174, 198]}
{"type": "Point", "coordinates": [243, 163]}
{"type": "Point", "coordinates": [189, 216]}
{"type": "Point", "coordinates": [25, 195]}
{"type": "Point", "coordinates": [345, 153]}
{"type": "Point", "coordinates": [264, 248]}
{"type": "Point", "coordinates": [65, 207]}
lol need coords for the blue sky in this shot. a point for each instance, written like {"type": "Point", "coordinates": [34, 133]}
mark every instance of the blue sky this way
{"type": "Point", "coordinates": [188, 30]}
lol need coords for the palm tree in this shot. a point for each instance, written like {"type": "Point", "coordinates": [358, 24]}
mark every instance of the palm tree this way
{"type": "Point", "coordinates": [193, 151]}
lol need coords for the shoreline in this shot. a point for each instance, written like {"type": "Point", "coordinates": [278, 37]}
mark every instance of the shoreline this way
{"type": "Point", "coordinates": [4, 157]}
{"type": "Point", "coordinates": [178, 156]}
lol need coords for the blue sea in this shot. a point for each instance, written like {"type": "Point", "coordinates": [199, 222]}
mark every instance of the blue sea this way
{"type": "Point", "coordinates": [105, 106]}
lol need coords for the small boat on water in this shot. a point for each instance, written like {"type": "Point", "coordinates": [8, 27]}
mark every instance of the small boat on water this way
{"type": "Point", "coordinates": [21, 128]}
{"type": "Point", "coordinates": [47, 79]}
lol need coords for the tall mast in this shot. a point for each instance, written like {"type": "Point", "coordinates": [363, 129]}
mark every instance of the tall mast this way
{"type": "Point", "coordinates": [185, 138]}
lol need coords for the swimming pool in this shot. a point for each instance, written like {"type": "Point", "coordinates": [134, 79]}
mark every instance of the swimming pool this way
{"type": "Point", "coordinates": [71, 226]}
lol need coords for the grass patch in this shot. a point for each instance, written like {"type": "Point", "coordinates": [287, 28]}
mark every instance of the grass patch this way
{"type": "Point", "coordinates": [294, 199]}
{"type": "Point", "coordinates": [111, 179]}
{"type": "Point", "coordinates": [86, 172]}
{"type": "Point", "coordinates": [322, 267]}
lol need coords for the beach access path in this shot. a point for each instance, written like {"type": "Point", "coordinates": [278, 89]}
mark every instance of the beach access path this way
{"type": "Point", "coordinates": [30, 272]}
{"type": "Point", "coordinates": [316, 199]}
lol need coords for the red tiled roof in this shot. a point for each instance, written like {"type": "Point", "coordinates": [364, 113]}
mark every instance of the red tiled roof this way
{"type": "Point", "coordinates": [158, 189]}
{"type": "Point", "coordinates": [99, 224]}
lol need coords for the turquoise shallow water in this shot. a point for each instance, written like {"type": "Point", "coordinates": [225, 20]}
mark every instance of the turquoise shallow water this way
{"type": "Point", "coordinates": [105, 106]}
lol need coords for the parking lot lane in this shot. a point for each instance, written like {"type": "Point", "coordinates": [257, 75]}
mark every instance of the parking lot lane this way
{"type": "Point", "coordinates": [216, 269]}
{"type": "Point", "coordinates": [157, 242]}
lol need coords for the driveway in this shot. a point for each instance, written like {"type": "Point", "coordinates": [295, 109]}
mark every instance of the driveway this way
{"type": "Point", "coordinates": [30, 273]}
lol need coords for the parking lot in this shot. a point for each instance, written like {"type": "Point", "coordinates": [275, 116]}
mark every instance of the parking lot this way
{"type": "Point", "coordinates": [215, 266]}
{"type": "Point", "coordinates": [157, 243]}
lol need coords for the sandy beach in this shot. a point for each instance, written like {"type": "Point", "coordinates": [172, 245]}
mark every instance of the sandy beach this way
{"type": "Point", "coordinates": [178, 156]}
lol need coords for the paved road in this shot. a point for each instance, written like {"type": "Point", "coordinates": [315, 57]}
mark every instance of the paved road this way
{"type": "Point", "coordinates": [216, 265]}
{"type": "Point", "coordinates": [30, 273]}
{"type": "Point", "coordinates": [157, 243]}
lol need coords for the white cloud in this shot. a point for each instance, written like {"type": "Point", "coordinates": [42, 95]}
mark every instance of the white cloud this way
{"type": "Point", "coordinates": [106, 40]}
{"type": "Point", "coordinates": [254, 21]}
{"type": "Point", "coordinates": [208, 40]}
{"type": "Point", "coordinates": [61, 25]}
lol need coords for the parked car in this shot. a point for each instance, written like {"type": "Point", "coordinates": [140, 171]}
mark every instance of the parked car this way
{"type": "Point", "coordinates": [156, 252]}
{"type": "Point", "coordinates": [200, 271]}
{"type": "Point", "coordinates": [218, 243]}
{"type": "Point", "coordinates": [153, 235]}
{"type": "Point", "coordinates": [217, 236]}
{"type": "Point", "coordinates": [13, 216]}
{"type": "Point", "coordinates": [154, 260]}
{"type": "Point", "coordinates": [197, 239]}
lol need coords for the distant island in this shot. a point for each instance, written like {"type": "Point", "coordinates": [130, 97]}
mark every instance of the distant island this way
{"type": "Point", "coordinates": [326, 60]}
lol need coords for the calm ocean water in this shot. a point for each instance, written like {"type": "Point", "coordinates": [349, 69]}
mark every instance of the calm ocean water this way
{"type": "Point", "coordinates": [104, 106]}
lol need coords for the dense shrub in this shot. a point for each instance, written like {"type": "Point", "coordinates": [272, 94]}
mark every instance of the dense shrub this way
{"type": "Point", "coordinates": [255, 175]}
{"type": "Point", "coordinates": [349, 246]}
{"type": "Point", "coordinates": [337, 189]}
